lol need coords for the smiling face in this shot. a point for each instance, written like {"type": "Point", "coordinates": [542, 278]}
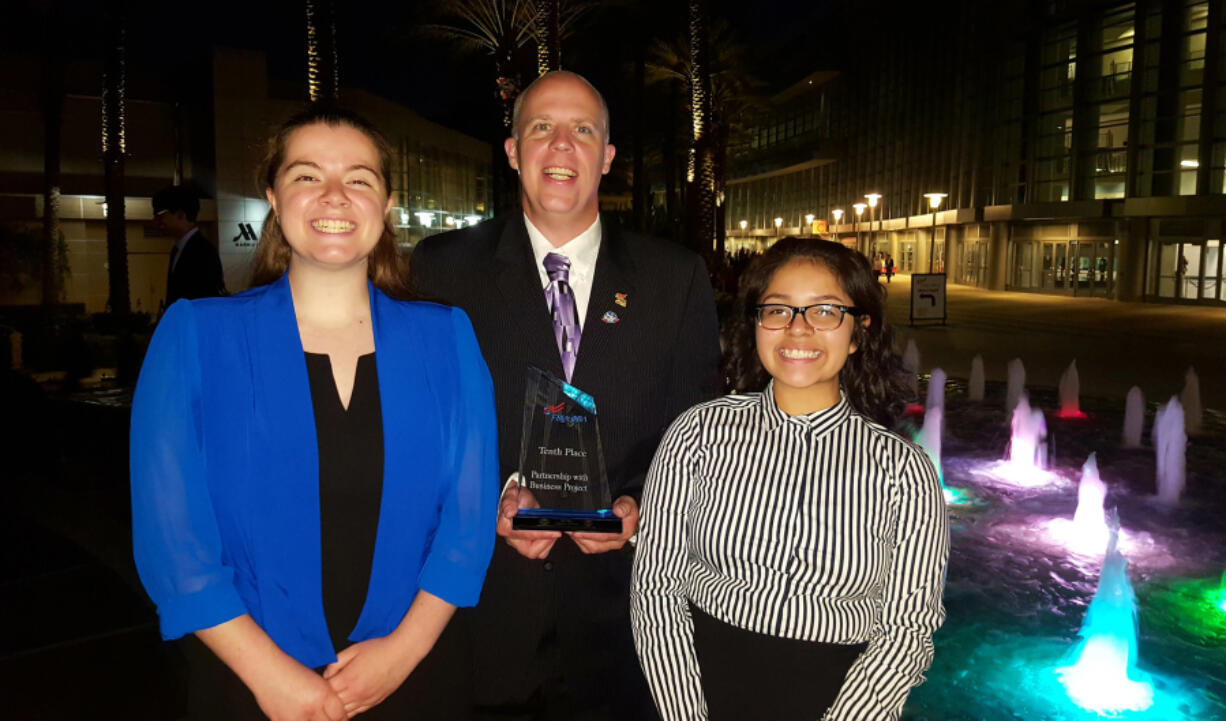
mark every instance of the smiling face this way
{"type": "Point", "coordinates": [329, 196]}
{"type": "Point", "coordinates": [560, 151]}
{"type": "Point", "coordinates": [805, 363]}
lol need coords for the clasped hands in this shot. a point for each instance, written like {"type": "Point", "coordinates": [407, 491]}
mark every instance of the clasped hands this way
{"type": "Point", "coordinates": [538, 544]}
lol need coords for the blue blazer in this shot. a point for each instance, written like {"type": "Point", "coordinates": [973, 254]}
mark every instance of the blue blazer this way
{"type": "Point", "coordinates": [225, 468]}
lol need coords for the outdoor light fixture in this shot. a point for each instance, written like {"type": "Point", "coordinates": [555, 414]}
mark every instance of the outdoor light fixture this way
{"type": "Point", "coordinates": [450, 220]}
{"type": "Point", "coordinates": [934, 202]}
{"type": "Point", "coordinates": [778, 222]}
{"type": "Point", "coordinates": [838, 215]}
{"type": "Point", "coordinates": [859, 208]}
{"type": "Point", "coordinates": [426, 219]}
{"type": "Point", "coordinates": [473, 219]}
{"type": "Point", "coordinates": [404, 217]}
{"type": "Point", "coordinates": [744, 225]}
{"type": "Point", "coordinates": [809, 221]}
{"type": "Point", "coordinates": [872, 204]}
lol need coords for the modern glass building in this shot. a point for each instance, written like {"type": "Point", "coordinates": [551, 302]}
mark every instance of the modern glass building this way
{"type": "Point", "coordinates": [1081, 147]}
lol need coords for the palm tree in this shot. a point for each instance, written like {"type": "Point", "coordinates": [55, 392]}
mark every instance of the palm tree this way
{"type": "Point", "coordinates": [548, 42]}
{"type": "Point", "coordinates": [323, 70]}
{"type": "Point", "coordinates": [53, 106]}
{"type": "Point", "coordinates": [700, 173]}
{"type": "Point", "coordinates": [113, 150]}
{"type": "Point", "coordinates": [496, 27]}
{"type": "Point", "coordinates": [716, 115]}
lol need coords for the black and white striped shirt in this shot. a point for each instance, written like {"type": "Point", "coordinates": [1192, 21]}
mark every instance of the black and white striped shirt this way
{"type": "Point", "coordinates": [825, 527]}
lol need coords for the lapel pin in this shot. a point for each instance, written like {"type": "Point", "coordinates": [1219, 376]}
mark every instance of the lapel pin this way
{"type": "Point", "coordinates": [620, 299]}
{"type": "Point", "coordinates": [610, 317]}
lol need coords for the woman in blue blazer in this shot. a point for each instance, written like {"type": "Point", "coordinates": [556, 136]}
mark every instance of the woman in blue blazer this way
{"type": "Point", "coordinates": [313, 461]}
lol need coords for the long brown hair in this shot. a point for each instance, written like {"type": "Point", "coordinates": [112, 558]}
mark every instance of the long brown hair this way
{"type": "Point", "coordinates": [386, 267]}
{"type": "Point", "coordinates": [873, 378]}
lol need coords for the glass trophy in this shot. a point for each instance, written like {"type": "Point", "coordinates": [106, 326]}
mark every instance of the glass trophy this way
{"type": "Point", "coordinates": [561, 461]}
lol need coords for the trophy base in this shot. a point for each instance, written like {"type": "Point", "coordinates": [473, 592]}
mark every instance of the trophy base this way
{"type": "Point", "coordinates": [553, 519]}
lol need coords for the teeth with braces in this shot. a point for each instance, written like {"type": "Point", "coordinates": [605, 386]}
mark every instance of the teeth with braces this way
{"type": "Point", "coordinates": [798, 354]}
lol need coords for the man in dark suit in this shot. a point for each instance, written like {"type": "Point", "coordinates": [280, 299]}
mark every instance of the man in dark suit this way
{"type": "Point", "coordinates": [551, 634]}
{"type": "Point", "coordinates": [194, 270]}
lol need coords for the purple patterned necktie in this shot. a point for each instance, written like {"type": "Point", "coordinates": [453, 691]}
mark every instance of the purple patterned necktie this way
{"type": "Point", "coordinates": [562, 307]}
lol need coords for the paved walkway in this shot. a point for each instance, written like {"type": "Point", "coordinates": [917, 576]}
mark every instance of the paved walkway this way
{"type": "Point", "coordinates": [1116, 345]}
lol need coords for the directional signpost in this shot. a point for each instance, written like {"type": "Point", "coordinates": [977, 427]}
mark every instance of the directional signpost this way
{"type": "Point", "coordinates": [928, 297]}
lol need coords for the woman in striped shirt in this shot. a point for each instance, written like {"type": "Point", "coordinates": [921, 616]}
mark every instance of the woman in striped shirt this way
{"type": "Point", "coordinates": [792, 549]}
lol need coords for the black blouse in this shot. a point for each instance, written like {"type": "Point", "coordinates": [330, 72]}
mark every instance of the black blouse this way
{"type": "Point", "coordinates": [350, 488]}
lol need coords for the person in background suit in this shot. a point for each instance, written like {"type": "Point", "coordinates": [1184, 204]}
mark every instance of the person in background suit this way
{"type": "Point", "coordinates": [551, 635]}
{"type": "Point", "coordinates": [195, 268]}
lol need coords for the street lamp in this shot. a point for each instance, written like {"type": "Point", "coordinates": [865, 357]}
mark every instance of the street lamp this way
{"type": "Point", "coordinates": [744, 225]}
{"type": "Point", "coordinates": [838, 218]}
{"type": "Point", "coordinates": [809, 223]}
{"type": "Point", "coordinates": [873, 198]}
{"type": "Point", "coordinates": [778, 222]}
{"type": "Point", "coordinates": [934, 202]}
{"type": "Point", "coordinates": [859, 208]}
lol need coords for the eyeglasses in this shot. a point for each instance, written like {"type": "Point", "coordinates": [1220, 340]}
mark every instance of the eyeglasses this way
{"type": "Point", "coordinates": [820, 317]}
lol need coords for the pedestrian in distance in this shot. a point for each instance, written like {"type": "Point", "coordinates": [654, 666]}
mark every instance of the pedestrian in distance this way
{"type": "Point", "coordinates": [792, 551]}
{"type": "Point", "coordinates": [194, 269]}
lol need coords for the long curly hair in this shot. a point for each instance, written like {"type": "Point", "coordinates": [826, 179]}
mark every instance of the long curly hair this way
{"type": "Point", "coordinates": [873, 378]}
{"type": "Point", "coordinates": [386, 267]}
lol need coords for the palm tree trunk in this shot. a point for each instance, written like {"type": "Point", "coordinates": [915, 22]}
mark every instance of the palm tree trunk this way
{"type": "Point", "coordinates": [53, 105]}
{"type": "Point", "coordinates": [323, 71]}
{"type": "Point", "coordinates": [113, 150]}
{"type": "Point", "coordinates": [548, 37]}
{"type": "Point", "coordinates": [701, 225]}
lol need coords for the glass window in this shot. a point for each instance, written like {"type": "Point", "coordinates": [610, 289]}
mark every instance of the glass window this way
{"type": "Point", "coordinates": [1188, 164]}
{"type": "Point", "coordinates": [1118, 32]}
{"type": "Point", "coordinates": [1197, 17]}
{"type": "Point", "coordinates": [1211, 287]}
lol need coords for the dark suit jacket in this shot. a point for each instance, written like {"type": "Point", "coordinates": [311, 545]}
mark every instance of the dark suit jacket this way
{"type": "Point", "coordinates": [644, 363]}
{"type": "Point", "coordinates": [197, 273]}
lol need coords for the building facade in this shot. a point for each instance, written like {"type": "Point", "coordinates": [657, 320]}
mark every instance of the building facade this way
{"type": "Point", "coordinates": [441, 178]}
{"type": "Point", "coordinates": [1081, 148]}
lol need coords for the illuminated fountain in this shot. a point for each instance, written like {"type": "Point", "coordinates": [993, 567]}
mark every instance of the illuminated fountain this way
{"type": "Point", "coordinates": [1193, 414]}
{"type": "Point", "coordinates": [1028, 443]}
{"type": "Point", "coordinates": [1070, 392]}
{"type": "Point", "coordinates": [911, 363]}
{"type": "Point", "coordinates": [929, 436]}
{"type": "Point", "coordinates": [1090, 533]}
{"type": "Point", "coordinates": [1103, 676]}
{"type": "Point", "coordinates": [1170, 450]}
{"type": "Point", "coordinates": [1016, 385]}
{"type": "Point", "coordinates": [974, 389]}
{"type": "Point", "coordinates": [1134, 418]}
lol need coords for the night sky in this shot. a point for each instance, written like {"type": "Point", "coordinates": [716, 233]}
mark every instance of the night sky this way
{"type": "Point", "coordinates": [382, 50]}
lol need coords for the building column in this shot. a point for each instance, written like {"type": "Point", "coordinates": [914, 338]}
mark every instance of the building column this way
{"type": "Point", "coordinates": [1134, 248]}
{"type": "Point", "coordinates": [998, 256]}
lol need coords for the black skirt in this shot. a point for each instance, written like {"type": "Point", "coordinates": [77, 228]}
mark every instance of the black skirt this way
{"type": "Point", "coordinates": [748, 675]}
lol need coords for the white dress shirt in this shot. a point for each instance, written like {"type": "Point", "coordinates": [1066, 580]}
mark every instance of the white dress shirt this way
{"type": "Point", "coordinates": [180, 244]}
{"type": "Point", "coordinates": [581, 251]}
{"type": "Point", "coordinates": [825, 527]}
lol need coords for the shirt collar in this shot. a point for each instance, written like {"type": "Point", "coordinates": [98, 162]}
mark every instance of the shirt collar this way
{"type": "Point", "coordinates": [182, 242]}
{"type": "Point", "coordinates": [580, 250]}
{"type": "Point", "coordinates": [817, 422]}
